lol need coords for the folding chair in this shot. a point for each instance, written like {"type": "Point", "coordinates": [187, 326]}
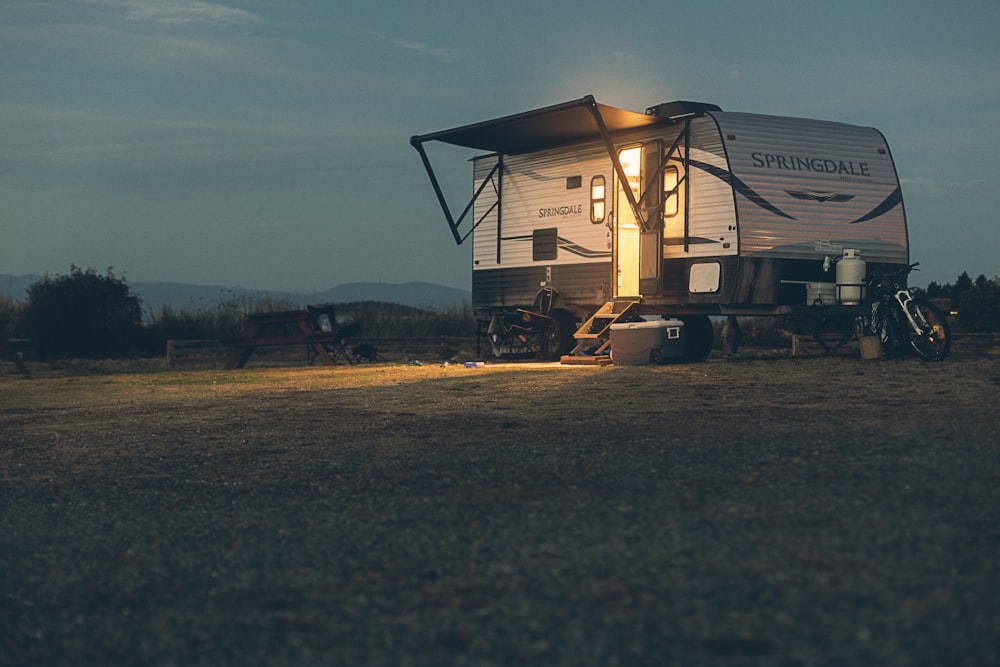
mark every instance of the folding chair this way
{"type": "Point", "coordinates": [333, 337]}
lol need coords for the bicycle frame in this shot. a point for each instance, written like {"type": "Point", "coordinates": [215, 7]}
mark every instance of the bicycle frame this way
{"type": "Point", "coordinates": [904, 298]}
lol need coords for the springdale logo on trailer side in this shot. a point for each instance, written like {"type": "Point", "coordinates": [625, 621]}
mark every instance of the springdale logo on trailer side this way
{"type": "Point", "coordinates": [560, 211]}
{"type": "Point", "coordinates": [820, 165]}
{"type": "Point", "coordinates": [585, 217]}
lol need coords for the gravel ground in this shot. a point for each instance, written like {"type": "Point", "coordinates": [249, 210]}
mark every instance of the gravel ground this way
{"type": "Point", "coordinates": [758, 512]}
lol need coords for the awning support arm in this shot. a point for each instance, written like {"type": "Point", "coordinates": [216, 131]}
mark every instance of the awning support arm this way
{"type": "Point", "coordinates": [654, 178]}
{"type": "Point", "coordinates": [453, 224]}
{"type": "Point", "coordinates": [687, 188]}
{"type": "Point", "coordinates": [591, 105]}
{"type": "Point", "coordinates": [686, 136]}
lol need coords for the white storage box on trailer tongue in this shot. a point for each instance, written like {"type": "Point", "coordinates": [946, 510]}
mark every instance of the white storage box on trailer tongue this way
{"type": "Point", "coordinates": [641, 343]}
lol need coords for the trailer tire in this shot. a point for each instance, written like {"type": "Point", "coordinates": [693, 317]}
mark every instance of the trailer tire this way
{"type": "Point", "coordinates": [699, 336]}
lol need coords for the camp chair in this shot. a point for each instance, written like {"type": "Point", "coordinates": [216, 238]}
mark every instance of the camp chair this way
{"type": "Point", "coordinates": [333, 337]}
{"type": "Point", "coordinates": [523, 331]}
{"type": "Point", "coordinates": [337, 345]}
{"type": "Point", "coordinates": [321, 318]}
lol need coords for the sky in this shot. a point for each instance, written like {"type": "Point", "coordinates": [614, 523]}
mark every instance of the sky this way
{"type": "Point", "coordinates": [265, 144]}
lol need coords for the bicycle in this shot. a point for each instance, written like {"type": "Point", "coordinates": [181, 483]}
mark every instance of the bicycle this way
{"type": "Point", "coordinates": [903, 321]}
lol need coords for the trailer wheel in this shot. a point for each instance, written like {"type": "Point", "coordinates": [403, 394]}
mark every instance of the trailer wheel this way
{"type": "Point", "coordinates": [698, 337]}
{"type": "Point", "coordinates": [559, 335]}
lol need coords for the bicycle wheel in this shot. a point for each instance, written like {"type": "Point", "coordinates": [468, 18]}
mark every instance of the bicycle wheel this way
{"type": "Point", "coordinates": [933, 341]}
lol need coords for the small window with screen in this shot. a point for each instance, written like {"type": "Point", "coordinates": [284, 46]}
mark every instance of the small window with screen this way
{"type": "Point", "coordinates": [597, 199]}
{"type": "Point", "coordinates": [671, 188]}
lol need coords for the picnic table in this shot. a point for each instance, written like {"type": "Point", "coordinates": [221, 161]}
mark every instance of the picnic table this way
{"type": "Point", "coordinates": [12, 348]}
{"type": "Point", "coordinates": [291, 327]}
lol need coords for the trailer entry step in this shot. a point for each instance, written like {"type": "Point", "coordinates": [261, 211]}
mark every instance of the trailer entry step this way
{"type": "Point", "coordinates": [598, 326]}
{"type": "Point", "coordinates": [597, 360]}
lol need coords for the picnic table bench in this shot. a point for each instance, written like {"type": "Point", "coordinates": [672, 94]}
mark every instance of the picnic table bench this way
{"type": "Point", "coordinates": [12, 349]}
{"type": "Point", "coordinates": [292, 327]}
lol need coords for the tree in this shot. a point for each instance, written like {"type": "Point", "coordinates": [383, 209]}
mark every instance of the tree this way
{"type": "Point", "coordinates": [936, 291]}
{"type": "Point", "coordinates": [979, 305]}
{"type": "Point", "coordinates": [962, 284]}
{"type": "Point", "coordinates": [83, 314]}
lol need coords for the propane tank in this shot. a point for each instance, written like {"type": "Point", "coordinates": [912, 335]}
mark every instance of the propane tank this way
{"type": "Point", "coordinates": [851, 278]}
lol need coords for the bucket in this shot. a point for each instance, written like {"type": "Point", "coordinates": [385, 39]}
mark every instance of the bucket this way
{"type": "Point", "coordinates": [871, 347]}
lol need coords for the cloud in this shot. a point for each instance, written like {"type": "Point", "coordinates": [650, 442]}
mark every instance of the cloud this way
{"type": "Point", "coordinates": [178, 12]}
{"type": "Point", "coordinates": [936, 186]}
{"type": "Point", "coordinates": [441, 54]}
{"type": "Point", "coordinates": [54, 150]}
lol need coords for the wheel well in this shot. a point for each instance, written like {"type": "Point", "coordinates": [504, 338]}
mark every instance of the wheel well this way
{"type": "Point", "coordinates": [699, 336]}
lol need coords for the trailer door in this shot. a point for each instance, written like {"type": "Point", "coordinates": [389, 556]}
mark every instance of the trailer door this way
{"type": "Point", "coordinates": [651, 238]}
{"type": "Point", "coordinates": [626, 227]}
{"type": "Point", "coordinates": [638, 252]}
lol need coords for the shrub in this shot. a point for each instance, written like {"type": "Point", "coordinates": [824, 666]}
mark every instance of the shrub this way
{"type": "Point", "coordinates": [10, 315]}
{"type": "Point", "coordinates": [84, 315]}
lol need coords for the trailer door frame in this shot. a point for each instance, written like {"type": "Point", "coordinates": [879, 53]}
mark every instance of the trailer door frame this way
{"type": "Point", "coordinates": [651, 202]}
{"type": "Point", "coordinates": [627, 232]}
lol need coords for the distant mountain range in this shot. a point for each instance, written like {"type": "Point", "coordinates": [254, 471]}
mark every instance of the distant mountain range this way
{"type": "Point", "coordinates": [156, 295]}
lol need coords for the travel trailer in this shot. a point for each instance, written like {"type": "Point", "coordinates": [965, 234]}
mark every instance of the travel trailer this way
{"type": "Point", "coordinates": [583, 215]}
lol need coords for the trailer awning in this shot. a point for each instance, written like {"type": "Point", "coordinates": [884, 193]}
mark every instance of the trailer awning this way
{"type": "Point", "coordinates": [573, 121]}
{"type": "Point", "coordinates": [579, 120]}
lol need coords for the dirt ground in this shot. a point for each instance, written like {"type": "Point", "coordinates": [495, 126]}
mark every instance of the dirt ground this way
{"type": "Point", "coordinates": [761, 511]}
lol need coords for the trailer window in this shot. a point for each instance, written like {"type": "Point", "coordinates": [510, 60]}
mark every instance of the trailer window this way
{"type": "Point", "coordinates": [597, 199]}
{"type": "Point", "coordinates": [671, 188]}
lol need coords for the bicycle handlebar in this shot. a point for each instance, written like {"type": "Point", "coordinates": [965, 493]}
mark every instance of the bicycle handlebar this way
{"type": "Point", "coordinates": [898, 272]}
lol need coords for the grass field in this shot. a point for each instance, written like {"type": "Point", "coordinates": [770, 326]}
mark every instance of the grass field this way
{"type": "Point", "coordinates": [763, 511]}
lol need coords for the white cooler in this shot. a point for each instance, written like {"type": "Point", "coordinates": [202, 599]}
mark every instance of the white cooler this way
{"type": "Point", "coordinates": [642, 343]}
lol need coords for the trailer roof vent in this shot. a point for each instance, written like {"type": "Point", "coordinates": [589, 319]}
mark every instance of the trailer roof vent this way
{"type": "Point", "coordinates": [676, 110]}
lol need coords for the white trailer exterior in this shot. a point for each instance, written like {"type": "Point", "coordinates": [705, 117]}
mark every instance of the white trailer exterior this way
{"type": "Point", "coordinates": [686, 209]}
